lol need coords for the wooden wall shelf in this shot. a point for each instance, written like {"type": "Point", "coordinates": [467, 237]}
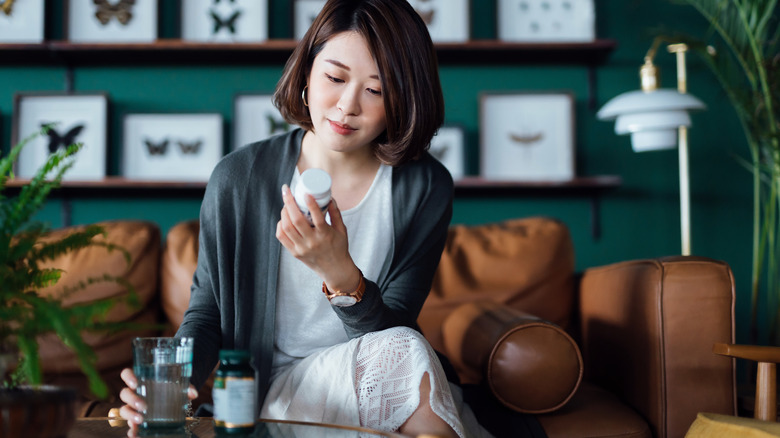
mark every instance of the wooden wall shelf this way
{"type": "Point", "coordinates": [173, 51]}
{"type": "Point", "coordinates": [119, 187]}
{"type": "Point", "coordinates": [471, 187]}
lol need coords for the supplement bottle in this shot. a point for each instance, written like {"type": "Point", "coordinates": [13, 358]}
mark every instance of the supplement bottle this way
{"type": "Point", "coordinates": [234, 393]}
{"type": "Point", "coordinates": [315, 182]}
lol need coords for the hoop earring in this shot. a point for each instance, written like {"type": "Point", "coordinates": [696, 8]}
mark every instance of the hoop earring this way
{"type": "Point", "coordinates": [303, 96]}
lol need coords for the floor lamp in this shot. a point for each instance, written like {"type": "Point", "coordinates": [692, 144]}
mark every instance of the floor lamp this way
{"type": "Point", "coordinates": [658, 119]}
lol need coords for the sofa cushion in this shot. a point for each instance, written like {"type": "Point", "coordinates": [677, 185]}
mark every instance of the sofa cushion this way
{"type": "Point", "coordinates": [527, 264]}
{"type": "Point", "coordinates": [142, 241]}
{"type": "Point", "coordinates": [530, 365]}
{"type": "Point", "coordinates": [709, 425]}
{"type": "Point", "coordinates": [179, 260]}
{"type": "Point", "coordinates": [594, 412]}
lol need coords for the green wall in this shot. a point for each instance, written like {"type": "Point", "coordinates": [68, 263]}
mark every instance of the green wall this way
{"type": "Point", "coordinates": [639, 220]}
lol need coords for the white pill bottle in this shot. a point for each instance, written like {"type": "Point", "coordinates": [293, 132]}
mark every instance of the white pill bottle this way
{"type": "Point", "coordinates": [314, 182]}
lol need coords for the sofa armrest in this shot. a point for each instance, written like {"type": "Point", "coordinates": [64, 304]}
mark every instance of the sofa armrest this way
{"type": "Point", "coordinates": [648, 327]}
{"type": "Point", "coordinates": [529, 364]}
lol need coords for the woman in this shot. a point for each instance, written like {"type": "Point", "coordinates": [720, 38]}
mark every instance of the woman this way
{"type": "Point", "coordinates": [363, 86]}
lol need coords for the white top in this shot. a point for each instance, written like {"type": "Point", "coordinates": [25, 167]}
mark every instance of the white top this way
{"type": "Point", "coordinates": [305, 322]}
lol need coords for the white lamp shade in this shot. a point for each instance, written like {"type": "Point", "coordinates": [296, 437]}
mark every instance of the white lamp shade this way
{"type": "Point", "coordinates": [652, 118]}
{"type": "Point", "coordinates": [652, 131]}
{"type": "Point", "coordinates": [659, 140]}
{"type": "Point", "coordinates": [639, 101]}
{"type": "Point", "coordinates": [651, 121]}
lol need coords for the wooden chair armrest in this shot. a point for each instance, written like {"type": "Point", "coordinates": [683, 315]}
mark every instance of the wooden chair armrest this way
{"type": "Point", "coordinates": [755, 353]}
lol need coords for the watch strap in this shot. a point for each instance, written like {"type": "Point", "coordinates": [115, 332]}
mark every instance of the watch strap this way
{"type": "Point", "coordinates": [357, 294]}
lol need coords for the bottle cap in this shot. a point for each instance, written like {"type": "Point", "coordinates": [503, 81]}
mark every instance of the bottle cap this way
{"type": "Point", "coordinates": [316, 182]}
{"type": "Point", "coordinates": [233, 354]}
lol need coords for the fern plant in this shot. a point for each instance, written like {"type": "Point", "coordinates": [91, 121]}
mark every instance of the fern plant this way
{"type": "Point", "coordinates": [745, 62]}
{"type": "Point", "coordinates": [24, 314]}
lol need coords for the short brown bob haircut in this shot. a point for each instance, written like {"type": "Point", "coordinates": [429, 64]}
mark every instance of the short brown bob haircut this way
{"type": "Point", "coordinates": [408, 70]}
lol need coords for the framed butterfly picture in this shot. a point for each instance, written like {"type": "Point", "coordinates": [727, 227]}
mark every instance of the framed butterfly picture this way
{"type": "Point", "coordinates": [256, 118]}
{"type": "Point", "coordinates": [111, 21]}
{"type": "Point", "coordinates": [224, 21]}
{"type": "Point", "coordinates": [546, 20]}
{"type": "Point", "coordinates": [448, 21]}
{"type": "Point", "coordinates": [449, 147]}
{"type": "Point", "coordinates": [22, 21]}
{"type": "Point", "coordinates": [76, 118]}
{"type": "Point", "coordinates": [527, 136]}
{"type": "Point", "coordinates": [171, 147]}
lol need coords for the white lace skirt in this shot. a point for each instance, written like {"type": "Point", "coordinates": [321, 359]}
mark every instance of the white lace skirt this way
{"type": "Point", "coordinates": [373, 381]}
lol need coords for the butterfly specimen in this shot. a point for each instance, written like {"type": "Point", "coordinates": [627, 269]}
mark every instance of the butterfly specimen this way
{"type": "Point", "coordinates": [190, 148]}
{"type": "Point", "coordinates": [156, 148]}
{"type": "Point", "coordinates": [526, 140]}
{"type": "Point", "coordinates": [440, 152]}
{"type": "Point", "coordinates": [427, 16]}
{"type": "Point", "coordinates": [122, 11]}
{"type": "Point", "coordinates": [229, 23]}
{"type": "Point", "coordinates": [57, 140]}
{"type": "Point", "coordinates": [6, 6]}
{"type": "Point", "coordinates": [276, 125]}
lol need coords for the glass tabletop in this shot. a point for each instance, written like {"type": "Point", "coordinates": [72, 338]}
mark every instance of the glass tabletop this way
{"type": "Point", "coordinates": [102, 427]}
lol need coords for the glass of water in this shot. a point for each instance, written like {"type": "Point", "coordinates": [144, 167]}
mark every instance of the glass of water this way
{"type": "Point", "coordinates": [163, 367]}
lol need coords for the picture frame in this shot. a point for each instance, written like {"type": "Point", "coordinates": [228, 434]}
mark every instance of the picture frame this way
{"type": "Point", "coordinates": [527, 136]}
{"type": "Point", "coordinates": [304, 13]}
{"type": "Point", "coordinates": [449, 147]}
{"type": "Point", "coordinates": [171, 147]}
{"type": "Point", "coordinates": [256, 118]}
{"type": "Point", "coordinates": [22, 22]}
{"type": "Point", "coordinates": [546, 20]}
{"type": "Point", "coordinates": [448, 21]}
{"type": "Point", "coordinates": [105, 21]}
{"type": "Point", "coordinates": [77, 117]}
{"type": "Point", "coordinates": [233, 21]}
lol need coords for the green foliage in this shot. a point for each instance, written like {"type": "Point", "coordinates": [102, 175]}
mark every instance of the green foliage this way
{"type": "Point", "coordinates": [746, 60]}
{"type": "Point", "coordinates": [25, 315]}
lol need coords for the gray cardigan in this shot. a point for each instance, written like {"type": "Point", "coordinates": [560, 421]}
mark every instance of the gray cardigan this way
{"type": "Point", "coordinates": [233, 301]}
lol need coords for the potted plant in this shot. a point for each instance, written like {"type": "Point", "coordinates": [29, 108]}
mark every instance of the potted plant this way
{"type": "Point", "coordinates": [24, 314]}
{"type": "Point", "coordinates": [746, 62]}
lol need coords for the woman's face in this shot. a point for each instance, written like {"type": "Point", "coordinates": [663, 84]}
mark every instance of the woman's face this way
{"type": "Point", "coordinates": [345, 94]}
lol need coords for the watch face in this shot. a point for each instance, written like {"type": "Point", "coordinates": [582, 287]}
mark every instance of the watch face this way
{"type": "Point", "coordinates": [343, 300]}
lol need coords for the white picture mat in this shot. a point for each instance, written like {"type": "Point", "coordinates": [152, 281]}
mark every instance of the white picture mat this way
{"type": "Point", "coordinates": [546, 20]}
{"type": "Point", "coordinates": [84, 27]}
{"type": "Point", "coordinates": [256, 118]}
{"type": "Point", "coordinates": [448, 146]}
{"type": "Point", "coordinates": [251, 25]}
{"type": "Point", "coordinates": [67, 112]}
{"type": "Point", "coordinates": [527, 137]}
{"type": "Point", "coordinates": [304, 13]}
{"type": "Point", "coordinates": [25, 24]}
{"type": "Point", "coordinates": [447, 20]}
{"type": "Point", "coordinates": [173, 165]}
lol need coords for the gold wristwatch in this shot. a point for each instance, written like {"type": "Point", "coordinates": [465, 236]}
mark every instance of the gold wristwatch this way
{"type": "Point", "coordinates": [346, 299]}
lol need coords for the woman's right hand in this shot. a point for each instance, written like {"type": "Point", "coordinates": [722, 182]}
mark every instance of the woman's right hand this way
{"type": "Point", "coordinates": [135, 404]}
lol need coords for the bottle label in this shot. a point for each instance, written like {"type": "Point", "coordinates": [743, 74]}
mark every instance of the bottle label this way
{"type": "Point", "coordinates": [234, 402]}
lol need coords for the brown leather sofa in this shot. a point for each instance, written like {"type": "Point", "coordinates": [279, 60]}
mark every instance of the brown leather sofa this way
{"type": "Point", "coordinates": [623, 350]}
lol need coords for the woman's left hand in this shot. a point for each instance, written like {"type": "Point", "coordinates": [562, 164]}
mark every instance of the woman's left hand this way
{"type": "Point", "coordinates": [322, 247]}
